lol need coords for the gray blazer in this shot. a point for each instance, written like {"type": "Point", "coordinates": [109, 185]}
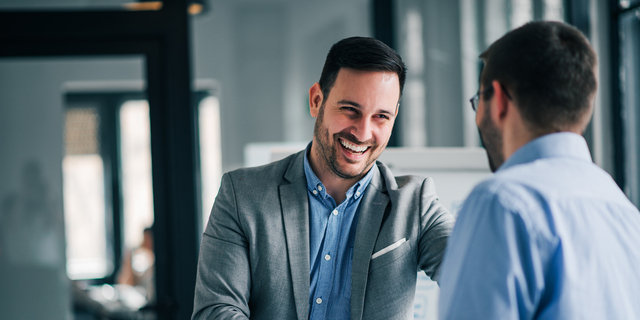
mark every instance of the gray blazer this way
{"type": "Point", "coordinates": [254, 256]}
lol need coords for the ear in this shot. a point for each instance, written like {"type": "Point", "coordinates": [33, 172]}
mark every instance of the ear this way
{"type": "Point", "coordinates": [501, 106]}
{"type": "Point", "coordinates": [315, 99]}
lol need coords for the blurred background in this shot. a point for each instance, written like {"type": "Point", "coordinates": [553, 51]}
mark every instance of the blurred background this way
{"type": "Point", "coordinates": [118, 118]}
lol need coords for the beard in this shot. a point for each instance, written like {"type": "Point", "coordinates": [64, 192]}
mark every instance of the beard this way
{"type": "Point", "coordinates": [326, 146]}
{"type": "Point", "coordinates": [491, 139]}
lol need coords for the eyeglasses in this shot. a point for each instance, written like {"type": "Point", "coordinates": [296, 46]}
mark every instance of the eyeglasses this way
{"type": "Point", "coordinates": [475, 99]}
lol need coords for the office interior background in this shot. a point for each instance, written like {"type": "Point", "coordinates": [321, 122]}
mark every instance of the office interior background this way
{"type": "Point", "coordinates": [117, 116]}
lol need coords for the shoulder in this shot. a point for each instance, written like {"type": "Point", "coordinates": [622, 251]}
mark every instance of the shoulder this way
{"type": "Point", "coordinates": [414, 192]}
{"type": "Point", "coordinates": [505, 200]}
{"type": "Point", "coordinates": [405, 183]}
{"type": "Point", "coordinates": [503, 191]}
{"type": "Point", "coordinates": [271, 173]}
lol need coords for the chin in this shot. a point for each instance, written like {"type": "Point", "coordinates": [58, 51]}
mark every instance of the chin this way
{"type": "Point", "coordinates": [350, 171]}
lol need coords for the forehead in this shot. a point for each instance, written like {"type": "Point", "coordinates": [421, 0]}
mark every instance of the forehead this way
{"type": "Point", "coordinates": [375, 87]}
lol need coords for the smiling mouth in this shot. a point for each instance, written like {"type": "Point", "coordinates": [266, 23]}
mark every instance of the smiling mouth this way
{"type": "Point", "coordinates": [352, 148]}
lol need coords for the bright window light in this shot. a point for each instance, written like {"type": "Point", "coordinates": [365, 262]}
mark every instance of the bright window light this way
{"type": "Point", "coordinates": [137, 193]}
{"type": "Point", "coordinates": [210, 160]}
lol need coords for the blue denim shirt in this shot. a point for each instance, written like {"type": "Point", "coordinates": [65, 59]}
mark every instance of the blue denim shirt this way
{"type": "Point", "coordinates": [332, 232]}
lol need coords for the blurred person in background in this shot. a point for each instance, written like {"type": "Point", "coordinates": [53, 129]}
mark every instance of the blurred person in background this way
{"type": "Point", "coordinates": [138, 267]}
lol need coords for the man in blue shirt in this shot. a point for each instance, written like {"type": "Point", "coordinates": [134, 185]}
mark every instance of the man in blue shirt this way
{"type": "Point", "coordinates": [550, 235]}
{"type": "Point", "coordinates": [327, 233]}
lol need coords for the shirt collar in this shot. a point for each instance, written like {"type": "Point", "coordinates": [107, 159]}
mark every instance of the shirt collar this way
{"type": "Point", "coordinates": [561, 144]}
{"type": "Point", "coordinates": [314, 183]}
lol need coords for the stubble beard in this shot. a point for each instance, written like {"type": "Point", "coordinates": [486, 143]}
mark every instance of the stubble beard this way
{"type": "Point", "coordinates": [326, 148]}
{"type": "Point", "coordinates": [491, 139]}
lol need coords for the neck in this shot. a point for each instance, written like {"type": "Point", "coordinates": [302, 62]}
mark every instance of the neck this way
{"type": "Point", "coordinates": [517, 133]}
{"type": "Point", "coordinates": [335, 186]}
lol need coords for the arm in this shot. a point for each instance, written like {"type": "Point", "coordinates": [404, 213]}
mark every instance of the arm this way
{"type": "Point", "coordinates": [492, 267]}
{"type": "Point", "coordinates": [436, 223]}
{"type": "Point", "coordinates": [223, 281]}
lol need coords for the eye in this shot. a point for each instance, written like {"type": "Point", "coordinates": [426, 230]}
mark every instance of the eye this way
{"type": "Point", "coordinates": [383, 116]}
{"type": "Point", "coordinates": [349, 109]}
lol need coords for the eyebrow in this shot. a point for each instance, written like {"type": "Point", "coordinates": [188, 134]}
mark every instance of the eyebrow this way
{"type": "Point", "coordinates": [357, 105]}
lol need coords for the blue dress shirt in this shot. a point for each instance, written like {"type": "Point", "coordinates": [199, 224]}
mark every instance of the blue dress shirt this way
{"type": "Point", "coordinates": [332, 235]}
{"type": "Point", "coordinates": [549, 236]}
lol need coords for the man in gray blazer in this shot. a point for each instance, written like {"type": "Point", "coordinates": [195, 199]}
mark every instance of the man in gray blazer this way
{"type": "Point", "coordinates": [329, 232]}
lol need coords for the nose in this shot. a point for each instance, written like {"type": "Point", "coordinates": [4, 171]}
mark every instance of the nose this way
{"type": "Point", "coordinates": [362, 129]}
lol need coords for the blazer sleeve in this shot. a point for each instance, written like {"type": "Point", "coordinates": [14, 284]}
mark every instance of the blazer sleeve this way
{"type": "Point", "coordinates": [436, 225]}
{"type": "Point", "coordinates": [223, 280]}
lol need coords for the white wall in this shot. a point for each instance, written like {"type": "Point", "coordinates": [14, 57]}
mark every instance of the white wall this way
{"type": "Point", "coordinates": [266, 55]}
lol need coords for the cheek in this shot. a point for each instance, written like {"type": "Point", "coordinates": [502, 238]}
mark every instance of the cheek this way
{"type": "Point", "coordinates": [383, 133]}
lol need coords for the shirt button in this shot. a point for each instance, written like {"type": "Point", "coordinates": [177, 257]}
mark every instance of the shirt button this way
{"type": "Point", "coordinates": [314, 191]}
{"type": "Point", "coordinates": [335, 212]}
{"type": "Point", "coordinates": [318, 301]}
{"type": "Point", "coordinates": [319, 188]}
{"type": "Point", "coordinates": [357, 193]}
{"type": "Point", "coordinates": [327, 257]}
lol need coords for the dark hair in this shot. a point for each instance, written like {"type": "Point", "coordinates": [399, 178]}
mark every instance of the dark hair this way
{"type": "Point", "coordinates": [360, 53]}
{"type": "Point", "coordinates": [548, 69]}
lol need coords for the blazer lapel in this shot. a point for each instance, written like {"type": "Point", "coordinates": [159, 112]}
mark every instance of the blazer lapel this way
{"type": "Point", "coordinates": [372, 209]}
{"type": "Point", "coordinates": [295, 214]}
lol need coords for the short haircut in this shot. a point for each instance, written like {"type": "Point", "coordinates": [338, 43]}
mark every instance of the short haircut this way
{"type": "Point", "coordinates": [360, 53]}
{"type": "Point", "coordinates": [549, 70]}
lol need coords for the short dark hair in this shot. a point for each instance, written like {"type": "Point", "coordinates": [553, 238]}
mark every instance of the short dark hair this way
{"type": "Point", "coordinates": [360, 53]}
{"type": "Point", "coordinates": [549, 69]}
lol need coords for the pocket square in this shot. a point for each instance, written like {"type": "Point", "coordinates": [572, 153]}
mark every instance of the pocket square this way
{"type": "Point", "coordinates": [388, 248]}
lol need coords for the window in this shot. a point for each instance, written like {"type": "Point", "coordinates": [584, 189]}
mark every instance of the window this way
{"type": "Point", "coordinates": [108, 190]}
{"type": "Point", "coordinates": [135, 159]}
{"type": "Point", "coordinates": [210, 154]}
{"type": "Point", "coordinates": [84, 197]}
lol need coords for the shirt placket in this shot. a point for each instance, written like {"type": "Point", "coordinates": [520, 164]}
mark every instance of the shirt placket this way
{"type": "Point", "coordinates": [328, 264]}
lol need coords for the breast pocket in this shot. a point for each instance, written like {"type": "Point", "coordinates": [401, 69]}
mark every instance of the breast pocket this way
{"type": "Point", "coordinates": [389, 254]}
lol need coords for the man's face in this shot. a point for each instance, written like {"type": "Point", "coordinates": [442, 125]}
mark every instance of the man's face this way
{"type": "Point", "coordinates": [354, 123]}
{"type": "Point", "coordinates": [490, 135]}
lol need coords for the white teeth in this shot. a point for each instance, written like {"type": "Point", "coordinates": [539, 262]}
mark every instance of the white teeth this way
{"type": "Point", "coordinates": [353, 147]}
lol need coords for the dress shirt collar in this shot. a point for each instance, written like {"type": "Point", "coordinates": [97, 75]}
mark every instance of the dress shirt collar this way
{"type": "Point", "coordinates": [314, 183]}
{"type": "Point", "coordinates": [561, 144]}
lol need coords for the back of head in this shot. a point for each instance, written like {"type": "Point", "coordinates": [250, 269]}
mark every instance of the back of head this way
{"type": "Point", "coordinates": [360, 53]}
{"type": "Point", "coordinates": [549, 70]}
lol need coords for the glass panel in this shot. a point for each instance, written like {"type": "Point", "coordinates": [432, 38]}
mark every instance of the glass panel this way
{"type": "Point", "coordinates": [630, 82]}
{"type": "Point", "coordinates": [56, 209]}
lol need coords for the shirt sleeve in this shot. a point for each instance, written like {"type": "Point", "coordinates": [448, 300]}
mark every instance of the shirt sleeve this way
{"type": "Point", "coordinates": [223, 280]}
{"type": "Point", "coordinates": [492, 267]}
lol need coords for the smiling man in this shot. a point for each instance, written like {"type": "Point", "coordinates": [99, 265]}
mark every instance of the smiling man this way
{"type": "Point", "coordinates": [329, 232]}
